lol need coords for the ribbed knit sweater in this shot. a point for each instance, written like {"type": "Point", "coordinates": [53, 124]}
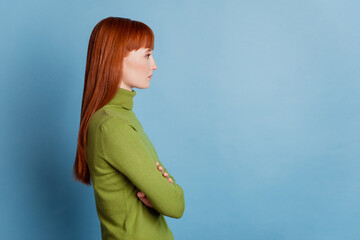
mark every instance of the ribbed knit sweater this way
{"type": "Point", "coordinates": [121, 161]}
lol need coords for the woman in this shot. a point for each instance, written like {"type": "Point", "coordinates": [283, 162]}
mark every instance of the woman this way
{"type": "Point", "coordinates": [133, 190]}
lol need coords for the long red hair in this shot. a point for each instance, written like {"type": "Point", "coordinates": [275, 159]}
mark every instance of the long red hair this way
{"type": "Point", "coordinates": [111, 40]}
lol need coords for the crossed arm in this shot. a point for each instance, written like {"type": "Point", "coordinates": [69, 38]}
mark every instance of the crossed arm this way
{"type": "Point", "coordinates": [142, 195]}
{"type": "Point", "coordinates": [125, 149]}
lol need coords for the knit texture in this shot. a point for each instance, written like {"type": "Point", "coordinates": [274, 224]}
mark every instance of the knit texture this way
{"type": "Point", "coordinates": [121, 161]}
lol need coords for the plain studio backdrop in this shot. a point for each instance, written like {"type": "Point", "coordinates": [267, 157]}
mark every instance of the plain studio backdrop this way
{"type": "Point", "coordinates": [254, 109]}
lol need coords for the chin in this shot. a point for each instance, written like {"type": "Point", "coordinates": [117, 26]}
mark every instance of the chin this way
{"type": "Point", "coordinates": [143, 86]}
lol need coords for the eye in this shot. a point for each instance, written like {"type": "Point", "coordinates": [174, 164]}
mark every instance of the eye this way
{"type": "Point", "coordinates": [148, 55]}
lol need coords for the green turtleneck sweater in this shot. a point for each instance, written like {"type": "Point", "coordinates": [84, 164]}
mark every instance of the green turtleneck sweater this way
{"type": "Point", "coordinates": [121, 161]}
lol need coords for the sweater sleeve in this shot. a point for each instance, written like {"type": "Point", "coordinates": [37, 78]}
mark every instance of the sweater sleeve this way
{"type": "Point", "coordinates": [125, 149]}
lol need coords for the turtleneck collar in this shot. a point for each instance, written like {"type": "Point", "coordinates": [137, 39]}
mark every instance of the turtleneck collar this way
{"type": "Point", "coordinates": [123, 98]}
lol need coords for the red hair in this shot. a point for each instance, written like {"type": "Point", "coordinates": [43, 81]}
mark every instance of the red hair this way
{"type": "Point", "coordinates": [111, 40]}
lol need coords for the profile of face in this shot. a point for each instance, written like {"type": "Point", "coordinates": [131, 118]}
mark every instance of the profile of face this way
{"type": "Point", "coordinates": [138, 66]}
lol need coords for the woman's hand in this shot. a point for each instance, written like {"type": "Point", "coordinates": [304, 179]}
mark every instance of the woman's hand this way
{"type": "Point", "coordinates": [144, 199]}
{"type": "Point", "coordinates": [164, 174]}
{"type": "Point", "coordinates": [142, 196]}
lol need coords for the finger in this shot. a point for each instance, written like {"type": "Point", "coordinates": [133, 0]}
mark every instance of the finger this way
{"type": "Point", "coordinates": [160, 168]}
{"type": "Point", "coordinates": [166, 175]}
{"type": "Point", "coordinates": [170, 180]}
{"type": "Point", "coordinates": [157, 164]}
{"type": "Point", "coordinates": [146, 201]}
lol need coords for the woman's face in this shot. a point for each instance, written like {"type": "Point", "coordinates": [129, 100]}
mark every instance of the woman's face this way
{"type": "Point", "coordinates": [137, 69]}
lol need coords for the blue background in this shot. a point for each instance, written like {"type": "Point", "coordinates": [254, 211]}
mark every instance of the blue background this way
{"type": "Point", "coordinates": [254, 109]}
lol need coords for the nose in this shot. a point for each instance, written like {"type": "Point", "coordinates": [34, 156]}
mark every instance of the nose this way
{"type": "Point", "coordinates": [154, 67]}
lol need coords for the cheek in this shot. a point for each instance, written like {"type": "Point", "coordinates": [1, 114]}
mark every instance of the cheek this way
{"type": "Point", "coordinates": [138, 67]}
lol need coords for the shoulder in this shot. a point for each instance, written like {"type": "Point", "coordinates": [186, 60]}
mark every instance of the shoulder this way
{"type": "Point", "coordinates": [114, 123]}
{"type": "Point", "coordinates": [106, 118]}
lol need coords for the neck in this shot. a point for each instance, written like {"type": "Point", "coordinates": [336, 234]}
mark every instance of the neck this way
{"type": "Point", "coordinates": [123, 98]}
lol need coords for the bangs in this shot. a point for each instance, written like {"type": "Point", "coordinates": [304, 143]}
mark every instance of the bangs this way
{"type": "Point", "coordinates": [141, 36]}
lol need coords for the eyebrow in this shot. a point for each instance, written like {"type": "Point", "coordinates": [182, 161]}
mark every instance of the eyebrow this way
{"type": "Point", "coordinates": [148, 50]}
